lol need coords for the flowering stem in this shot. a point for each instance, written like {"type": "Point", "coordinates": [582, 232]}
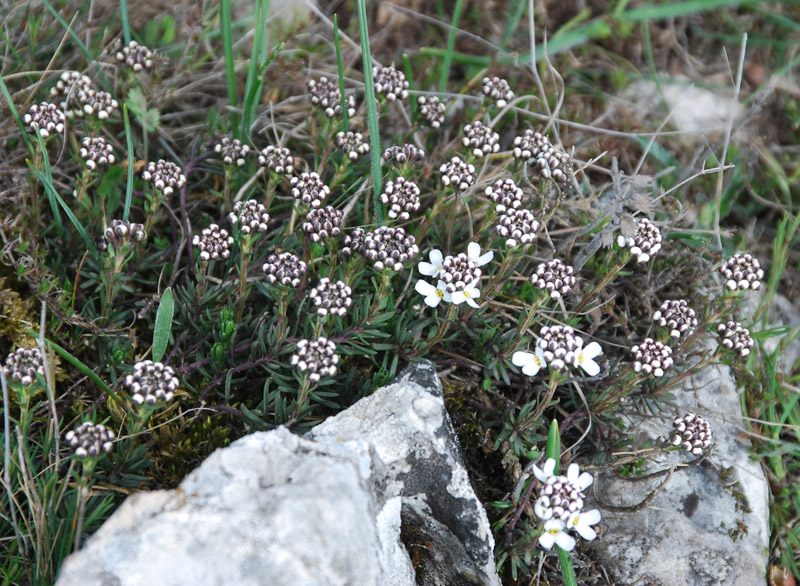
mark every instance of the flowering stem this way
{"type": "Point", "coordinates": [302, 396]}
{"type": "Point", "coordinates": [555, 379]}
{"type": "Point", "coordinates": [602, 284]}
{"type": "Point", "coordinates": [283, 305]}
{"type": "Point", "coordinates": [443, 327]}
{"type": "Point", "coordinates": [567, 571]}
{"type": "Point", "coordinates": [245, 256]}
{"type": "Point", "coordinates": [226, 196]}
{"type": "Point", "coordinates": [111, 279]}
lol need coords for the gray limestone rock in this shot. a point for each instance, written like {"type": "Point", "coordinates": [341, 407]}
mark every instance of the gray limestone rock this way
{"type": "Point", "coordinates": [707, 525]}
{"type": "Point", "coordinates": [333, 509]}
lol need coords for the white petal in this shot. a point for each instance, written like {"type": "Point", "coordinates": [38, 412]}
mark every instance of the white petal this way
{"type": "Point", "coordinates": [458, 298]}
{"type": "Point", "coordinates": [471, 302]}
{"type": "Point", "coordinates": [590, 366]}
{"type": "Point", "coordinates": [542, 474]}
{"type": "Point", "coordinates": [565, 542]}
{"type": "Point", "coordinates": [546, 540]}
{"type": "Point", "coordinates": [521, 359]}
{"type": "Point", "coordinates": [428, 269]}
{"type": "Point", "coordinates": [473, 250]}
{"type": "Point", "coordinates": [531, 368]}
{"type": "Point", "coordinates": [433, 300]}
{"type": "Point", "coordinates": [425, 288]}
{"type": "Point", "coordinates": [592, 350]}
{"type": "Point", "coordinates": [435, 257]}
{"type": "Point", "coordinates": [572, 473]}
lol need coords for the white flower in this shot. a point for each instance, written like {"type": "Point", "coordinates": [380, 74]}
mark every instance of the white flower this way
{"type": "Point", "coordinates": [433, 268]}
{"type": "Point", "coordinates": [548, 470]}
{"type": "Point", "coordinates": [469, 294]}
{"type": "Point", "coordinates": [554, 533]}
{"type": "Point", "coordinates": [582, 481]}
{"type": "Point", "coordinates": [582, 522]}
{"type": "Point", "coordinates": [474, 254]}
{"type": "Point", "coordinates": [530, 363]}
{"type": "Point", "coordinates": [585, 358]}
{"type": "Point", "coordinates": [433, 295]}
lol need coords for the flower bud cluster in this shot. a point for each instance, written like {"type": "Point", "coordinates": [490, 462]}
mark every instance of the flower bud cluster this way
{"type": "Point", "coordinates": [560, 345]}
{"type": "Point", "coordinates": [518, 226]}
{"type": "Point", "coordinates": [692, 433]}
{"type": "Point", "coordinates": [331, 297]}
{"type": "Point", "coordinates": [536, 149]}
{"type": "Point", "coordinates": [46, 117]}
{"type": "Point", "coordinates": [498, 90]}
{"type": "Point", "coordinates": [735, 337]}
{"type": "Point", "coordinates": [233, 151]}
{"type": "Point", "coordinates": [353, 242]}
{"type": "Point", "coordinates": [677, 316]}
{"type": "Point", "coordinates": [742, 271]}
{"type": "Point", "coordinates": [388, 248]}
{"type": "Point", "coordinates": [250, 216]}
{"type": "Point", "coordinates": [90, 441]}
{"type": "Point", "coordinates": [645, 243]}
{"type": "Point", "coordinates": [652, 357]}
{"type": "Point", "coordinates": [309, 188]}
{"type": "Point", "coordinates": [276, 159]}
{"type": "Point", "coordinates": [390, 82]}
{"type": "Point", "coordinates": [431, 109]}
{"type": "Point", "coordinates": [136, 56]}
{"type": "Point", "coordinates": [213, 243]}
{"type": "Point", "coordinates": [96, 151]}
{"type": "Point", "coordinates": [121, 233]}
{"type": "Point", "coordinates": [325, 94]}
{"type": "Point", "coordinates": [323, 223]}
{"type": "Point", "coordinates": [505, 193]}
{"type": "Point", "coordinates": [408, 153]}
{"type": "Point", "coordinates": [459, 272]}
{"type": "Point", "coordinates": [481, 139]}
{"type": "Point", "coordinates": [352, 144]}
{"type": "Point", "coordinates": [402, 197]}
{"type": "Point", "coordinates": [70, 83]}
{"type": "Point", "coordinates": [80, 97]}
{"type": "Point", "coordinates": [165, 176]}
{"type": "Point", "coordinates": [151, 382]}
{"type": "Point", "coordinates": [558, 499]}
{"type": "Point", "coordinates": [23, 365]}
{"type": "Point", "coordinates": [555, 277]}
{"type": "Point", "coordinates": [458, 173]}
{"type": "Point", "coordinates": [284, 268]}
{"type": "Point", "coordinates": [318, 357]}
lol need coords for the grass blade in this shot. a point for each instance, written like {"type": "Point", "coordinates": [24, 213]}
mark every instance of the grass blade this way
{"type": "Point", "coordinates": [131, 163]}
{"type": "Point", "coordinates": [163, 325]}
{"type": "Point", "coordinates": [230, 72]}
{"type": "Point", "coordinates": [13, 108]}
{"type": "Point", "coordinates": [451, 43]}
{"type": "Point", "coordinates": [255, 81]}
{"type": "Point", "coordinates": [126, 27]}
{"type": "Point", "coordinates": [372, 115]}
{"type": "Point", "coordinates": [67, 28]}
{"type": "Point", "coordinates": [345, 121]}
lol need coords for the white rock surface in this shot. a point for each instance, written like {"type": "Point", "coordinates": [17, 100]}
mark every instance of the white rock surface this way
{"type": "Point", "coordinates": [277, 509]}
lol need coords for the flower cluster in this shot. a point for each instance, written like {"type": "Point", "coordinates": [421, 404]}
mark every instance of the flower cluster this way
{"type": "Point", "coordinates": [742, 271]}
{"type": "Point", "coordinates": [233, 151]}
{"type": "Point", "coordinates": [94, 102]}
{"type": "Point", "coordinates": [560, 506]}
{"type": "Point", "coordinates": [458, 173]}
{"type": "Point", "coordinates": [213, 243]}
{"type": "Point", "coordinates": [309, 188]}
{"type": "Point", "coordinates": [498, 90]}
{"type": "Point", "coordinates": [457, 276]}
{"type": "Point", "coordinates": [70, 83]}
{"type": "Point", "coordinates": [80, 97]}
{"type": "Point", "coordinates": [325, 94]}
{"type": "Point", "coordinates": [121, 233]}
{"type": "Point", "coordinates": [151, 382]}
{"type": "Point", "coordinates": [692, 433]}
{"type": "Point", "coordinates": [96, 151]}
{"type": "Point", "coordinates": [402, 197]}
{"type": "Point", "coordinates": [390, 82]}
{"type": "Point", "coordinates": [323, 223]}
{"type": "Point", "coordinates": [555, 277]}
{"type": "Point", "coordinates": [645, 243]}
{"type": "Point", "coordinates": [250, 216]}
{"type": "Point", "coordinates": [276, 159]}
{"type": "Point", "coordinates": [46, 117]}
{"type": "Point", "coordinates": [431, 109]}
{"type": "Point", "coordinates": [90, 441]}
{"type": "Point", "coordinates": [652, 357]}
{"type": "Point", "coordinates": [352, 144]}
{"type": "Point", "coordinates": [677, 316]}
{"type": "Point", "coordinates": [386, 247]}
{"type": "Point", "coordinates": [559, 346]}
{"type": "Point", "coordinates": [518, 227]}
{"type": "Point", "coordinates": [480, 139]}
{"type": "Point", "coordinates": [284, 268]}
{"type": "Point", "coordinates": [165, 176]}
{"type": "Point", "coordinates": [331, 297]}
{"type": "Point", "coordinates": [136, 56]}
{"type": "Point", "coordinates": [23, 365]}
{"type": "Point", "coordinates": [734, 336]}
{"type": "Point", "coordinates": [318, 357]}
{"type": "Point", "coordinates": [536, 149]}
{"type": "Point", "coordinates": [408, 153]}
{"type": "Point", "coordinates": [505, 193]}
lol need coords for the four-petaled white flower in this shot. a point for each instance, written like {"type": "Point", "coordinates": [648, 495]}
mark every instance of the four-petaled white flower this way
{"type": "Point", "coordinates": [546, 471]}
{"type": "Point", "coordinates": [469, 294]}
{"type": "Point", "coordinates": [582, 481]}
{"type": "Point", "coordinates": [554, 534]}
{"type": "Point", "coordinates": [582, 523]}
{"type": "Point", "coordinates": [531, 364]}
{"type": "Point", "coordinates": [433, 268]}
{"type": "Point", "coordinates": [585, 359]}
{"type": "Point", "coordinates": [474, 254]}
{"type": "Point", "coordinates": [433, 295]}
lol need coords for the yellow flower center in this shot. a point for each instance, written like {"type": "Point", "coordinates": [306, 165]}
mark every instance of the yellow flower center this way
{"type": "Point", "coordinates": [440, 293]}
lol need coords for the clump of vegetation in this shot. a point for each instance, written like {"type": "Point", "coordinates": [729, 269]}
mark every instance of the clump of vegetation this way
{"type": "Point", "coordinates": [217, 246]}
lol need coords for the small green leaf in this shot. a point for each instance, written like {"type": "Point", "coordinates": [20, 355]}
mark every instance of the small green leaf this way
{"type": "Point", "coordinates": [163, 326]}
